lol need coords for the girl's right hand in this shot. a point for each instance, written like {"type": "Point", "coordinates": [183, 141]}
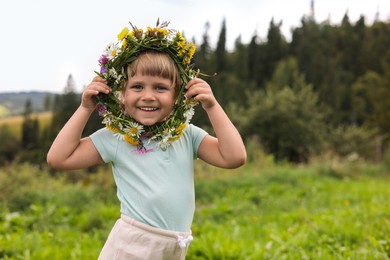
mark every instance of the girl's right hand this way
{"type": "Point", "coordinates": [98, 85]}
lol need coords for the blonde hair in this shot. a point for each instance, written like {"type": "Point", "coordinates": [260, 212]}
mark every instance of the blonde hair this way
{"type": "Point", "coordinates": [153, 63]}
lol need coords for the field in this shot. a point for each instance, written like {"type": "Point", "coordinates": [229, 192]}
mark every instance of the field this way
{"type": "Point", "coordinates": [15, 122]}
{"type": "Point", "coordinates": [260, 211]}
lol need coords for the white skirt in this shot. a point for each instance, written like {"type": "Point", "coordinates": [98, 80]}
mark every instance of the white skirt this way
{"type": "Point", "coordinates": [131, 239]}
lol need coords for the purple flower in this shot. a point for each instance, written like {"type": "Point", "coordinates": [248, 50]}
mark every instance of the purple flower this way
{"type": "Point", "coordinates": [145, 135]}
{"type": "Point", "coordinates": [103, 70]}
{"type": "Point", "coordinates": [101, 109]}
{"type": "Point", "coordinates": [103, 60]}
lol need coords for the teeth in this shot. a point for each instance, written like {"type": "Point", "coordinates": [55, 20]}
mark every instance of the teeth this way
{"type": "Point", "coordinates": [149, 108]}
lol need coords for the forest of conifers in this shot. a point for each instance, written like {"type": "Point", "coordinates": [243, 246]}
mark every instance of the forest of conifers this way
{"type": "Point", "coordinates": [325, 91]}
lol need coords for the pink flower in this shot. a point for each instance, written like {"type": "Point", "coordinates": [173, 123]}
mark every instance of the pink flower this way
{"type": "Point", "coordinates": [103, 60]}
{"type": "Point", "coordinates": [143, 150]}
{"type": "Point", "coordinates": [101, 109]}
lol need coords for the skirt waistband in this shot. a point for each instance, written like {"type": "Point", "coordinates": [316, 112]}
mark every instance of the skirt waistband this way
{"type": "Point", "coordinates": [159, 231]}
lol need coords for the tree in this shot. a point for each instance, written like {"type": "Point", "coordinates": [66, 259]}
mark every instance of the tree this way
{"type": "Point", "coordinates": [275, 48]}
{"type": "Point", "coordinates": [202, 55]}
{"type": "Point", "coordinates": [375, 46]}
{"type": "Point", "coordinates": [288, 120]}
{"type": "Point", "coordinates": [362, 95]}
{"type": "Point", "coordinates": [47, 103]}
{"type": "Point", "coordinates": [252, 58]}
{"type": "Point", "coordinates": [220, 52]}
{"type": "Point", "coordinates": [239, 61]}
{"type": "Point", "coordinates": [63, 108]}
{"type": "Point", "coordinates": [30, 129]}
{"type": "Point", "coordinates": [10, 145]}
{"type": "Point", "coordinates": [65, 105]}
{"type": "Point", "coordinates": [380, 117]}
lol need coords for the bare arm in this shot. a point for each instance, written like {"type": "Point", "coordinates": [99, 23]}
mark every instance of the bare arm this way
{"type": "Point", "coordinates": [68, 150]}
{"type": "Point", "coordinates": [227, 149]}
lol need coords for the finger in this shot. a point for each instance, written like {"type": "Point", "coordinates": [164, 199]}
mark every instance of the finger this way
{"type": "Point", "coordinates": [193, 82]}
{"type": "Point", "coordinates": [99, 79]}
{"type": "Point", "coordinates": [202, 98]}
{"type": "Point", "coordinates": [88, 93]}
{"type": "Point", "coordinates": [100, 86]}
{"type": "Point", "coordinates": [198, 89]}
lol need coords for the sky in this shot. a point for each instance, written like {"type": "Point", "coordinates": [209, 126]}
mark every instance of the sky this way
{"type": "Point", "coordinates": [44, 41]}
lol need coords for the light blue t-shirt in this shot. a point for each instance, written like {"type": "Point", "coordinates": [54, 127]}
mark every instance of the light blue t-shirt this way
{"type": "Point", "coordinates": [156, 188]}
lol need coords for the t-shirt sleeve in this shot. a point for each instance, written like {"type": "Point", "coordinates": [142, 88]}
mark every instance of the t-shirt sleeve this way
{"type": "Point", "coordinates": [106, 144]}
{"type": "Point", "coordinates": [197, 135]}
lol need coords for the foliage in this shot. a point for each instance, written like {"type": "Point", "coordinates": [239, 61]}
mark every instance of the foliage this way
{"type": "Point", "coordinates": [9, 145]}
{"type": "Point", "coordinates": [288, 121]}
{"type": "Point", "coordinates": [220, 51]}
{"type": "Point", "coordinates": [328, 210]}
{"type": "Point", "coordinates": [352, 140]}
{"type": "Point", "coordinates": [65, 105]}
{"type": "Point", "coordinates": [30, 129]}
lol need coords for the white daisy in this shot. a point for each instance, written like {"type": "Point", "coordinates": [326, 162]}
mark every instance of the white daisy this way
{"type": "Point", "coordinates": [112, 50]}
{"type": "Point", "coordinates": [134, 129]}
{"type": "Point", "coordinates": [188, 114]}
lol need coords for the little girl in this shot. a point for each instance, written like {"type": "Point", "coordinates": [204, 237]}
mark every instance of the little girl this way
{"type": "Point", "coordinates": [146, 91]}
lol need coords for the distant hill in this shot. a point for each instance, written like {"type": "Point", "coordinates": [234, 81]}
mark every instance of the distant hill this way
{"type": "Point", "coordinates": [12, 103]}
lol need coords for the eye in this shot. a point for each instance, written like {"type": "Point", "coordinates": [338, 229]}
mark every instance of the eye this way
{"type": "Point", "coordinates": [136, 87]}
{"type": "Point", "coordinates": [161, 88]}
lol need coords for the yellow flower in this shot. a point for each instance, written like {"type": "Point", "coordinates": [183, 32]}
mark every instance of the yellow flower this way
{"type": "Point", "coordinates": [131, 140]}
{"type": "Point", "coordinates": [180, 128]}
{"type": "Point", "coordinates": [191, 50]}
{"type": "Point", "coordinates": [161, 33]}
{"type": "Point", "coordinates": [175, 138]}
{"type": "Point", "coordinates": [179, 133]}
{"type": "Point", "coordinates": [123, 33]}
{"type": "Point", "coordinates": [181, 51]}
{"type": "Point", "coordinates": [181, 45]}
{"type": "Point", "coordinates": [113, 128]}
{"type": "Point", "coordinates": [150, 31]}
{"type": "Point", "coordinates": [124, 44]}
{"type": "Point", "coordinates": [186, 60]}
{"type": "Point", "coordinates": [180, 37]}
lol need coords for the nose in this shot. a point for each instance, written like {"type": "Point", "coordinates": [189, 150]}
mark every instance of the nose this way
{"type": "Point", "coordinates": [148, 95]}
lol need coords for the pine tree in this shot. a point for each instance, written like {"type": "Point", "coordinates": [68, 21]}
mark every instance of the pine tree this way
{"type": "Point", "coordinates": [30, 129]}
{"type": "Point", "coordinates": [220, 52]}
{"type": "Point", "coordinates": [65, 105]}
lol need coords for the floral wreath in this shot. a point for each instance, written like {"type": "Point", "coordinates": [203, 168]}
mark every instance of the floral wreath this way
{"type": "Point", "coordinates": [112, 68]}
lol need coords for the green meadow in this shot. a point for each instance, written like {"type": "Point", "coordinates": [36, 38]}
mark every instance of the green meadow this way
{"type": "Point", "coordinates": [324, 210]}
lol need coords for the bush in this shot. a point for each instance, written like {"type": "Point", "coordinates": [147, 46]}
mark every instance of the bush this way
{"type": "Point", "coordinates": [10, 145]}
{"type": "Point", "coordinates": [348, 140]}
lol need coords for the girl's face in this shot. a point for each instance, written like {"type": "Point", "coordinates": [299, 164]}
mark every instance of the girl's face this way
{"type": "Point", "coordinates": [148, 99]}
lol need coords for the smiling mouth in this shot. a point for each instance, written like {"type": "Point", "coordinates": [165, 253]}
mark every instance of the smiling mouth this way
{"type": "Point", "coordinates": [148, 108]}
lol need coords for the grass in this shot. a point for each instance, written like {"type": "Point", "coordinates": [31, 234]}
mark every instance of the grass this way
{"type": "Point", "coordinates": [321, 211]}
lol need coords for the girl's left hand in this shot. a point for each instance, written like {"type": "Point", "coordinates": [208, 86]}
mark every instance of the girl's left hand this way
{"type": "Point", "coordinates": [201, 91]}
